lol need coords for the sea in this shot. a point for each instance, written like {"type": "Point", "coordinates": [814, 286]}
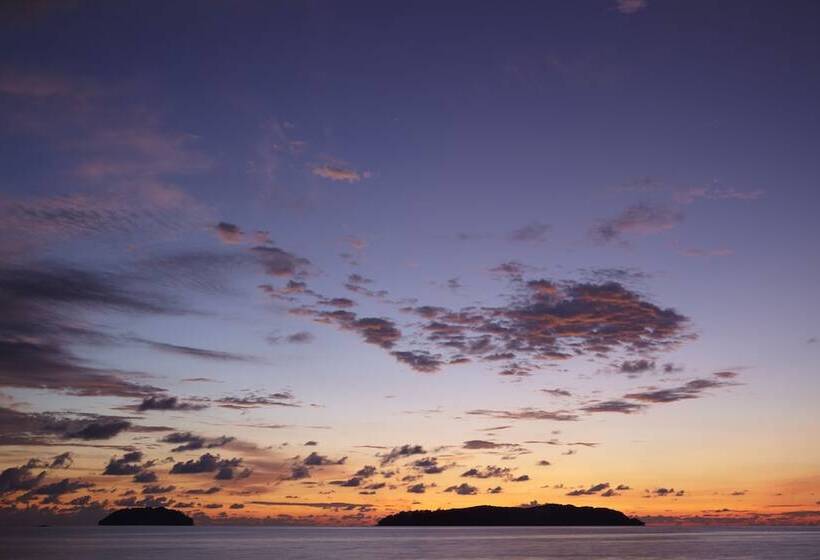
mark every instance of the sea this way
{"type": "Point", "coordinates": [399, 543]}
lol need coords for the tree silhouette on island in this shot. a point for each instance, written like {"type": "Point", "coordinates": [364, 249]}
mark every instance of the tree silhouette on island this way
{"type": "Point", "coordinates": [555, 515]}
{"type": "Point", "coordinates": [146, 516]}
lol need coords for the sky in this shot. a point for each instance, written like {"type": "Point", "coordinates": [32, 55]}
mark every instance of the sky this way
{"type": "Point", "coordinates": [314, 262]}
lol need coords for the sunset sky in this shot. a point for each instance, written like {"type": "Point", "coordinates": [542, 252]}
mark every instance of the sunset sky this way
{"type": "Point", "coordinates": [314, 262]}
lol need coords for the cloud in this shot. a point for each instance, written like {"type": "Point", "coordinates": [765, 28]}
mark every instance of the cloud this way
{"type": "Point", "coordinates": [14, 479]}
{"type": "Point", "coordinates": [557, 392]}
{"type": "Point", "coordinates": [157, 489]}
{"type": "Point", "coordinates": [55, 490]}
{"type": "Point", "coordinates": [688, 196]}
{"type": "Point", "coordinates": [143, 477]}
{"type": "Point", "coordinates": [229, 234]}
{"type": "Point", "coordinates": [128, 464]}
{"type": "Point", "coordinates": [624, 407]}
{"type": "Point", "coordinates": [397, 453]}
{"type": "Point", "coordinates": [186, 441]}
{"type": "Point", "coordinates": [316, 460]}
{"type": "Point", "coordinates": [100, 429]}
{"type": "Point", "coordinates": [592, 490]}
{"type": "Point", "coordinates": [694, 252]}
{"type": "Point", "coordinates": [463, 489]}
{"type": "Point", "coordinates": [664, 492]}
{"type": "Point", "coordinates": [301, 337]}
{"type": "Point", "coordinates": [527, 414]}
{"type": "Point", "coordinates": [298, 472]}
{"type": "Point", "coordinates": [339, 173]}
{"type": "Point", "coordinates": [489, 471]}
{"type": "Point", "coordinates": [428, 465]}
{"type": "Point", "coordinates": [418, 488]}
{"type": "Point", "coordinates": [636, 366]}
{"type": "Point", "coordinates": [208, 463]}
{"type": "Point", "coordinates": [349, 483]}
{"type": "Point", "coordinates": [166, 403]}
{"type": "Point", "coordinates": [483, 444]}
{"type": "Point", "coordinates": [690, 390]}
{"type": "Point", "coordinates": [639, 220]}
{"type": "Point", "coordinates": [545, 321]}
{"type": "Point", "coordinates": [535, 232]}
{"type": "Point", "coordinates": [43, 310]}
{"type": "Point", "coordinates": [629, 7]}
{"type": "Point", "coordinates": [281, 398]}
{"type": "Point", "coordinates": [423, 362]}
{"type": "Point", "coordinates": [36, 428]}
{"type": "Point", "coordinates": [147, 210]}
{"type": "Point", "coordinates": [280, 263]}
{"type": "Point", "coordinates": [193, 352]}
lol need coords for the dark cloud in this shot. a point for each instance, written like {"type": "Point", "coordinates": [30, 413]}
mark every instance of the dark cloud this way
{"type": "Point", "coordinates": [366, 471]}
{"type": "Point", "coordinates": [405, 450]}
{"type": "Point", "coordinates": [349, 483]}
{"type": "Point", "coordinates": [463, 489]}
{"type": "Point", "coordinates": [128, 464]}
{"type": "Point", "coordinates": [663, 492]}
{"type": "Point", "coordinates": [281, 398]}
{"type": "Point", "coordinates": [62, 461]}
{"type": "Point", "coordinates": [193, 352]}
{"type": "Point", "coordinates": [418, 488]}
{"type": "Point", "coordinates": [157, 489]}
{"type": "Point", "coordinates": [301, 337]}
{"type": "Point", "coordinates": [428, 465]}
{"type": "Point", "coordinates": [43, 307]}
{"type": "Point", "coordinates": [229, 234]}
{"type": "Point", "coordinates": [636, 366]}
{"type": "Point", "coordinates": [527, 414]}
{"type": "Point", "coordinates": [41, 428]}
{"type": "Point", "coordinates": [622, 406]}
{"type": "Point", "coordinates": [544, 321]}
{"type": "Point", "coordinates": [536, 232]}
{"type": "Point", "coordinates": [638, 220]}
{"type": "Point", "coordinates": [208, 463]}
{"type": "Point", "coordinates": [316, 460]}
{"type": "Point", "coordinates": [557, 392]}
{"type": "Point", "coordinates": [145, 477]}
{"type": "Point", "coordinates": [186, 441]}
{"type": "Point", "coordinates": [420, 361]}
{"type": "Point", "coordinates": [14, 479]}
{"type": "Point", "coordinates": [482, 444]}
{"type": "Point", "coordinates": [157, 402]}
{"type": "Point", "coordinates": [690, 390]}
{"type": "Point", "coordinates": [298, 472]}
{"type": "Point", "coordinates": [340, 302]}
{"type": "Point", "coordinates": [203, 491]}
{"type": "Point", "coordinates": [280, 263]}
{"type": "Point", "coordinates": [490, 471]}
{"type": "Point", "coordinates": [54, 490]}
{"type": "Point", "coordinates": [334, 506]}
{"type": "Point", "coordinates": [591, 491]}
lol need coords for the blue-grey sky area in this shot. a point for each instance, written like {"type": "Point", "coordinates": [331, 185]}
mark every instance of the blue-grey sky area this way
{"type": "Point", "coordinates": [340, 259]}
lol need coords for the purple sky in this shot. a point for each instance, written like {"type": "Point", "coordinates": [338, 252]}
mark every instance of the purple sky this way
{"type": "Point", "coordinates": [372, 225]}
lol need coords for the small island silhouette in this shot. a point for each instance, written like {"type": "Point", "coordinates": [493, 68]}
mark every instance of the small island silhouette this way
{"type": "Point", "coordinates": [546, 515]}
{"type": "Point", "coordinates": [146, 516]}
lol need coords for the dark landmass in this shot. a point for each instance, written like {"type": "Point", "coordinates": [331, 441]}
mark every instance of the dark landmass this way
{"type": "Point", "coordinates": [147, 516]}
{"type": "Point", "coordinates": [547, 515]}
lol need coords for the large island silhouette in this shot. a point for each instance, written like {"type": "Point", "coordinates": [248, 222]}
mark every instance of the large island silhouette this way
{"type": "Point", "coordinates": [146, 516]}
{"type": "Point", "coordinates": [555, 515]}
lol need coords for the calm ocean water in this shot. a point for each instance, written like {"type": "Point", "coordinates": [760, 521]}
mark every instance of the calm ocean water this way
{"type": "Point", "coordinates": [240, 543]}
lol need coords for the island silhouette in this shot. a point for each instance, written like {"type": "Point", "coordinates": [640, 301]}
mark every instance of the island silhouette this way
{"type": "Point", "coordinates": [146, 516]}
{"type": "Point", "coordinates": [545, 515]}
